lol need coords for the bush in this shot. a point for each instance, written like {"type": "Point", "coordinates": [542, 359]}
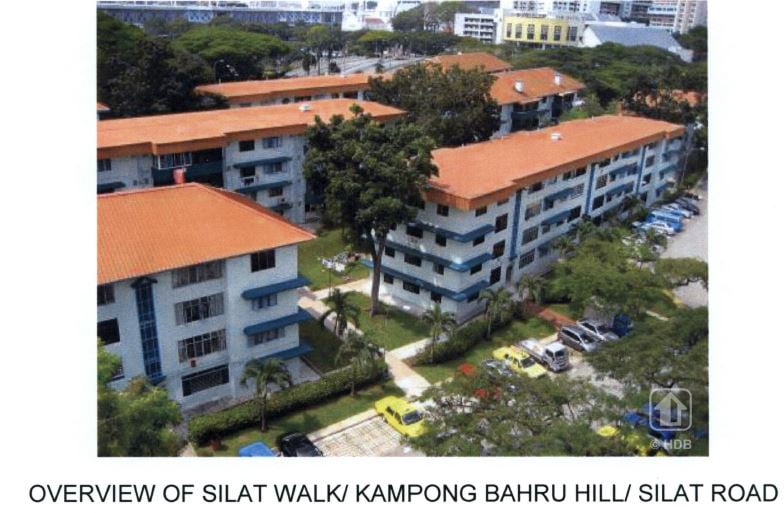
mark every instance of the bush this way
{"type": "Point", "coordinates": [203, 428]}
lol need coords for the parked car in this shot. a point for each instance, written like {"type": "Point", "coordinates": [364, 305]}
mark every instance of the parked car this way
{"type": "Point", "coordinates": [496, 367]}
{"type": "Point", "coordinates": [677, 209]}
{"type": "Point", "coordinates": [658, 226]}
{"type": "Point", "coordinates": [554, 355]}
{"type": "Point", "coordinates": [296, 444]}
{"type": "Point", "coordinates": [519, 361]}
{"type": "Point", "coordinates": [403, 416]}
{"type": "Point", "coordinates": [688, 205]}
{"type": "Point", "coordinates": [692, 196]}
{"type": "Point", "coordinates": [598, 329]}
{"type": "Point", "coordinates": [670, 218]}
{"type": "Point", "coordinates": [578, 339]}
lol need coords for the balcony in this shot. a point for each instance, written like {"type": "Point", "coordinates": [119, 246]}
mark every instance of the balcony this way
{"type": "Point", "coordinates": [193, 172]}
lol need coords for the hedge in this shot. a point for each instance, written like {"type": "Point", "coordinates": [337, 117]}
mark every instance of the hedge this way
{"type": "Point", "coordinates": [464, 339]}
{"type": "Point", "coordinates": [203, 428]}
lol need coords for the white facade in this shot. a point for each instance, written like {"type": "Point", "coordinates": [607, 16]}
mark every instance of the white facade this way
{"type": "Point", "coordinates": [494, 246]}
{"type": "Point", "coordinates": [541, 7]}
{"type": "Point", "coordinates": [270, 172]}
{"type": "Point", "coordinates": [485, 27]}
{"type": "Point", "coordinates": [181, 360]}
{"type": "Point", "coordinates": [292, 98]}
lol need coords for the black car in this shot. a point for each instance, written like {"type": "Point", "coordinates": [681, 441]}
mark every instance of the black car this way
{"type": "Point", "coordinates": [297, 445]}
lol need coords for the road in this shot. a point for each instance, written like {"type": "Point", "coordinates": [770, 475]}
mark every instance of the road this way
{"type": "Point", "coordinates": [692, 242]}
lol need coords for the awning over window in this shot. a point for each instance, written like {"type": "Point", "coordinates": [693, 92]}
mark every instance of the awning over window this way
{"type": "Point", "coordinates": [261, 327]}
{"type": "Point", "coordinates": [258, 292]}
{"type": "Point", "coordinates": [263, 186]}
{"type": "Point", "coordinates": [557, 218]}
{"type": "Point", "coordinates": [287, 354]}
{"type": "Point", "coordinates": [261, 162]}
{"type": "Point", "coordinates": [459, 237]}
{"type": "Point", "coordinates": [451, 294]}
{"type": "Point", "coordinates": [564, 193]}
{"type": "Point", "coordinates": [455, 266]}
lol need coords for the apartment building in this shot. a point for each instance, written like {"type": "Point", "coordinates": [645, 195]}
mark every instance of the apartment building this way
{"type": "Point", "coordinates": [542, 31]}
{"type": "Point", "coordinates": [532, 98]}
{"type": "Point", "coordinates": [495, 207]}
{"type": "Point", "coordinates": [256, 151]}
{"type": "Point", "coordinates": [253, 93]}
{"type": "Point", "coordinates": [194, 282]}
{"type": "Point", "coordinates": [483, 26]}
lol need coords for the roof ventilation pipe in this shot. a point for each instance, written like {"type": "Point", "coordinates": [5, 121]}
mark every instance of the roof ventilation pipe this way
{"type": "Point", "coordinates": [557, 79]}
{"type": "Point", "coordinates": [518, 86]}
{"type": "Point", "coordinates": [555, 136]}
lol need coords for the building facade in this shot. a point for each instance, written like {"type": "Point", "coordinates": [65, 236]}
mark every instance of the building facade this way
{"type": "Point", "coordinates": [542, 31]}
{"type": "Point", "coordinates": [482, 26]}
{"type": "Point", "coordinates": [194, 282]}
{"type": "Point", "coordinates": [256, 151]}
{"type": "Point", "coordinates": [494, 209]}
{"type": "Point", "coordinates": [255, 93]}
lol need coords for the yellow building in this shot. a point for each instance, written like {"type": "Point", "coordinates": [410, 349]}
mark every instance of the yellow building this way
{"type": "Point", "coordinates": [540, 31]}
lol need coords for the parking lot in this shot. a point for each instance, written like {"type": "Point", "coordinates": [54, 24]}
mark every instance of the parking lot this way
{"type": "Point", "coordinates": [370, 437]}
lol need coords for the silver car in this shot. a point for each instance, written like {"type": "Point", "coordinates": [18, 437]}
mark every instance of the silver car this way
{"type": "Point", "coordinates": [597, 329]}
{"type": "Point", "coordinates": [577, 338]}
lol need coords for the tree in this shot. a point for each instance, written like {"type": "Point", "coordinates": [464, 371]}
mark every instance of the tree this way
{"type": "Point", "coordinates": [343, 309]}
{"type": "Point", "coordinates": [370, 176]}
{"type": "Point", "coordinates": [136, 421]}
{"type": "Point", "coordinates": [496, 302]}
{"type": "Point", "coordinates": [525, 417]}
{"type": "Point", "coordinates": [679, 272]}
{"type": "Point", "coordinates": [531, 287]}
{"type": "Point", "coordinates": [440, 322]}
{"type": "Point", "coordinates": [359, 352]}
{"type": "Point", "coordinates": [453, 106]}
{"type": "Point", "coordinates": [271, 371]}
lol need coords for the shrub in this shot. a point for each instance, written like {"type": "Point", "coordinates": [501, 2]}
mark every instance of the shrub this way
{"type": "Point", "coordinates": [203, 428]}
{"type": "Point", "coordinates": [462, 340]}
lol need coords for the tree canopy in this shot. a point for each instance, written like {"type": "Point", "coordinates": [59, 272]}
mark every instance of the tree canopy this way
{"type": "Point", "coordinates": [369, 175]}
{"type": "Point", "coordinates": [430, 16]}
{"type": "Point", "coordinates": [453, 106]}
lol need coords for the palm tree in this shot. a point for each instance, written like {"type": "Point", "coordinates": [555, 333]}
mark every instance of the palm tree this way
{"type": "Point", "coordinates": [266, 372]}
{"type": "Point", "coordinates": [531, 287]}
{"type": "Point", "coordinates": [495, 303]}
{"type": "Point", "coordinates": [359, 352]}
{"type": "Point", "coordinates": [440, 322]}
{"type": "Point", "coordinates": [344, 311]}
{"type": "Point", "coordinates": [564, 245]}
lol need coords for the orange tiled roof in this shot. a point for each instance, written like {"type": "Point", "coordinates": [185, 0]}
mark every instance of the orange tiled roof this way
{"type": "Point", "coordinates": [468, 61]}
{"type": "Point", "coordinates": [152, 230]}
{"type": "Point", "coordinates": [254, 90]}
{"type": "Point", "coordinates": [191, 131]}
{"type": "Point", "coordinates": [479, 174]}
{"type": "Point", "coordinates": [537, 82]}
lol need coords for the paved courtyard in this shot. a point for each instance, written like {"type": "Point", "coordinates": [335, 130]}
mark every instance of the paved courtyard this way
{"type": "Point", "coordinates": [372, 437]}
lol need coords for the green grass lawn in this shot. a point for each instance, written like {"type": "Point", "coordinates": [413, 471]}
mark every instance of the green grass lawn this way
{"type": "Point", "coordinates": [305, 421]}
{"type": "Point", "coordinates": [391, 328]}
{"type": "Point", "coordinates": [327, 245]}
{"type": "Point", "coordinates": [515, 331]}
{"type": "Point", "coordinates": [325, 345]}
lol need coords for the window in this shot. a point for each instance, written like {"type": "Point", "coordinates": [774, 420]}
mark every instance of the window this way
{"type": "Point", "coordinates": [105, 294]}
{"type": "Point", "coordinates": [479, 240]}
{"type": "Point", "coordinates": [273, 168]}
{"type": "Point", "coordinates": [200, 345]}
{"type": "Point", "coordinates": [498, 249]}
{"type": "Point", "coordinates": [543, 30]}
{"type": "Point", "coordinates": [412, 260]}
{"type": "Point", "coordinates": [650, 160]}
{"type": "Point", "coordinates": [388, 278]}
{"type": "Point", "coordinates": [646, 179]}
{"type": "Point", "coordinates": [438, 268]}
{"type": "Point", "coordinates": [389, 252]}
{"type": "Point", "coordinates": [197, 309]}
{"type": "Point", "coordinates": [204, 380]}
{"type": "Point", "coordinates": [605, 163]}
{"type": "Point", "coordinates": [597, 202]}
{"type": "Point", "coordinates": [508, 30]}
{"type": "Point", "coordinates": [527, 258]}
{"type": "Point", "coordinates": [414, 231]}
{"type": "Point", "coordinates": [442, 210]}
{"type": "Point", "coordinates": [271, 142]}
{"type": "Point", "coordinates": [531, 32]}
{"type": "Point", "coordinates": [571, 34]}
{"type": "Point", "coordinates": [267, 336]}
{"type": "Point", "coordinates": [247, 172]}
{"type": "Point", "coordinates": [574, 214]}
{"type": "Point", "coordinates": [536, 187]}
{"type": "Point", "coordinates": [503, 202]}
{"type": "Point", "coordinates": [262, 260]}
{"type": "Point", "coordinates": [435, 297]}
{"type": "Point", "coordinates": [532, 210]}
{"type": "Point", "coordinates": [601, 181]}
{"type": "Point", "coordinates": [481, 211]}
{"type": "Point", "coordinates": [472, 297]}
{"type": "Point", "coordinates": [477, 268]}
{"type": "Point", "coordinates": [557, 33]}
{"type": "Point", "coordinates": [519, 31]}
{"type": "Point", "coordinates": [265, 302]}
{"type": "Point", "coordinates": [197, 273]}
{"type": "Point", "coordinates": [495, 275]}
{"type": "Point", "coordinates": [441, 240]}
{"type": "Point", "coordinates": [577, 191]}
{"type": "Point", "coordinates": [500, 223]}
{"type": "Point", "coordinates": [411, 287]}
{"type": "Point", "coordinates": [275, 192]}
{"type": "Point", "coordinates": [247, 145]}
{"type": "Point", "coordinates": [172, 160]}
{"type": "Point", "coordinates": [109, 331]}
{"type": "Point", "coordinates": [104, 165]}
{"type": "Point", "coordinates": [530, 234]}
